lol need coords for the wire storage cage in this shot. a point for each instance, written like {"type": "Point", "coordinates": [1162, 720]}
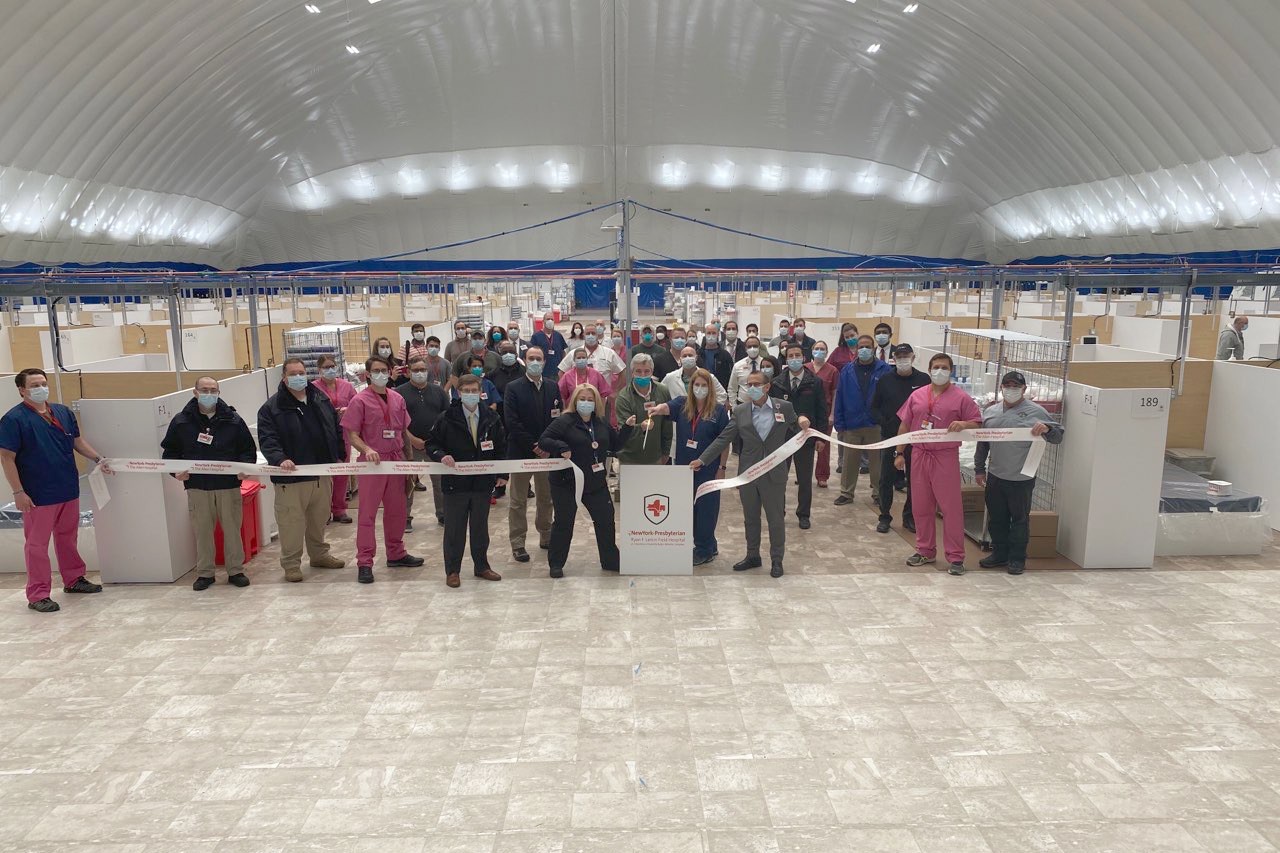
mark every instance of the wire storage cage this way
{"type": "Point", "coordinates": [982, 357]}
{"type": "Point", "coordinates": [347, 344]}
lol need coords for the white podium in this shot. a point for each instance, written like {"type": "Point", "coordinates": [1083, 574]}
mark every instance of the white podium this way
{"type": "Point", "coordinates": [655, 528]}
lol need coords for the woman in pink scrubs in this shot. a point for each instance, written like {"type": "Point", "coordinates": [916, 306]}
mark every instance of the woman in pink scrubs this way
{"type": "Point", "coordinates": [935, 468]}
{"type": "Point", "coordinates": [340, 393]}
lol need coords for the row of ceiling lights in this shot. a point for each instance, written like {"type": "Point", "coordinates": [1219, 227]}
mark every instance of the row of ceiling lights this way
{"type": "Point", "coordinates": [313, 9]}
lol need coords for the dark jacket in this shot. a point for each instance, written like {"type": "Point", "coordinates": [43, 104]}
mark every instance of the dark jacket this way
{"type": "Point", "coordinates": [891, 392]}
{"type": "Point", "coordinates": [737, 350]}
{"type": "Point", "coordinates": [570, 433]}
{"type": "Point", "coordinates": [281, 434]}
{"type": "Point", "coordinates": [663, 361]}
{"type": "Point", "coordinates": [853, 402]}
{"type": "Point", "coordinates": [721, 362]}
{"type": "Point", "coordinates": [425, 406]}
{"type": "Point", "coordinates": [232, 442]}
{"type": "Point", "coordinates": [810, 399]}
{"type": "Point", "coordinates": [451, 437]}
{"type": "Point", "coordinates": [504, 376]}
{"type": "Point", "coordinates": [527, 414]}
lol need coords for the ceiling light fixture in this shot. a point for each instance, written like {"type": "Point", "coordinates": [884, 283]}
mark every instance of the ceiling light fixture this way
{"type": "Point", "coordinates": [911, 8]}
{"type": "Point", "coordinates": [353, 50]}
{"type": "Point", "coordinates": [312, 8]}
{"type": "Point", "coordinates": [875, 48]}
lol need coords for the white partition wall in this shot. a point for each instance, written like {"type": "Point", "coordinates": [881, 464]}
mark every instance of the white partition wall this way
{"type": "Point", "coordinates": [1109, 484]}
{"type": "Point", "coordinates": [1241, 432]}
{"type": "Point", "coordinates": [1149, 334]}
{"type": "Point", "coordinates": [206, 348]}
{"type": "Point", "coordinates": [84, 344]}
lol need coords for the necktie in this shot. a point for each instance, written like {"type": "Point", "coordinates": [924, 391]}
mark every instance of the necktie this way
{"type": "Point", "coordinates": [471, 422]}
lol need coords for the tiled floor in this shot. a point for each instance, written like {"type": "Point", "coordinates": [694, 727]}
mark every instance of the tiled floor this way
{"type": "Point", "coordinates": [853, 705]}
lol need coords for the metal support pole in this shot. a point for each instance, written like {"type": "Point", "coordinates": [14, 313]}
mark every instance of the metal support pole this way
{"type": "Point", "coordinates": [404, 299]}
{"type": "Point", "coordinates": [175, 334]}
{"type": "Point", "coordinates": [893, 297]}
{"type": "Point", "coordinates": [1068, 313]}
{"type": "Point", "coordinates": [255, 349]}
{"type": "Point", "coordinates": [623, 275]}
{"type": "Point", "coordinates": [997, 297]}
{"type": "Point", "coordinates": [1184, 334]}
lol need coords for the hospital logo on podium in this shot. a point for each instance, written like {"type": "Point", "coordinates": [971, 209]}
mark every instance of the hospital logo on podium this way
{"type": "Point", "coordinates": [656, 508]}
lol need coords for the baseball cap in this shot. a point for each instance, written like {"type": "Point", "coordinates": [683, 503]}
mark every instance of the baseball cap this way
{"type": "Point", "coordinates": [1013, 377]}
{"type": "Point", "coordinates": [903, 349]}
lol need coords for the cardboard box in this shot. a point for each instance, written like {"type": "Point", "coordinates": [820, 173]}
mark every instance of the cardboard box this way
{"type": "Point", "coordinates": [973, 498]}
{"type": "Point", "coordinates": [1042, 547]}
{"type": "Point", "coordinates": [1044, 523]}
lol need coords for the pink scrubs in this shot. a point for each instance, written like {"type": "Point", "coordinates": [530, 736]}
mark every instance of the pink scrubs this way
{"type": "Point", "coordinates": [571, 380]}
{"type": "Point", "coordinates": [341, 396]}
{"type": "Point", "coordinates": [935, 470]}
{"type": "Point", "coordinates": [380, 420]}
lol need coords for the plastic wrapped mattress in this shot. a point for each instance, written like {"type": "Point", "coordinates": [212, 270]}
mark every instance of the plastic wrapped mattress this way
{"type": "Point", "coordinates": [1184, 491]}
{"type": "Point", "coordinates": [1194, 523]}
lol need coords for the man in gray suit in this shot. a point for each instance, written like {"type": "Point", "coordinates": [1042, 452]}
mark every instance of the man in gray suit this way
{"type": "Point", "coordinates": [764, 424]}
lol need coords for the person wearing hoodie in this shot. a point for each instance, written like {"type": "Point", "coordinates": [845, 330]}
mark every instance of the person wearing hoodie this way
{"type": "Point", "coordinates": [207, 429]}
{"type": "Point", "coordinates": [854, 418]}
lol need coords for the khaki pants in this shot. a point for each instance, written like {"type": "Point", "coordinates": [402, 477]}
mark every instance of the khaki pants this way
{"type": "Point", "coordinates": [518, 509]}
{"type": "Point", "coordinates": [437, 496]}
{"type": "Point", "coordinates": [853, 459]}
{"type": "Point", "coordinates": [207, 507]}
{"type": "Point", "coordinates": [302, 510]}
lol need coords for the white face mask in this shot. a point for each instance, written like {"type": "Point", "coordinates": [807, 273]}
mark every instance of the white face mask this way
{"type": "Point", "coordinates": [384, 352]}
{"type": "Point", "coordinates": [419, 336]}
{"type": "Point", "coordinates": [903, 365]}
{"type": "Point", "coordinates": [1012, 395]}
{"type": "Point", "coordinates": [940, 376]}
{"type": "Point", "coordinates": [513, 334]}
{"type": "Point", "coordinates": [752, 352]}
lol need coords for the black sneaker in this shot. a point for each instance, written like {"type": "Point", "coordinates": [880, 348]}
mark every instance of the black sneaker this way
{"type": "Point", "coordinates": [882, 527]}
{"type": "Point", "coordinates": [1017, 567]}
{"type": "Point", "coordinates": [520, 555]}
{"type": "Point", "coordinates": [909, 524]}
{"type": "Point", "coordinates": [44, 605]}
{"type": "Point", "coordinates": [804, 524]}
{"type": "Point", "coordinates": [364, 574]}
{"type": "Point", "coordinates": [843, 500]}
{"type": "Point", "coordinates": [82, 585]}
{"type": "Point", "coordinates": [202, 584]}
{"type": "Point", "coordinates": [418, 487]}
{"type": "Point", "coordinates": [238, 579]}
{"type": "Point", "coordinates": [956, 569]}
{"type": "Point", "coordinates": [993, 562]}
{"type": "Point", "coordinates": [557, 572]}
{"type": "Point", "coordinates": [408, 561]}
{"type": "Point", "coordinates": [408, 526]}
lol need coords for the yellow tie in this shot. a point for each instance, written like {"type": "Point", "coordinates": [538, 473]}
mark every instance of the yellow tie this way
{"type": "Point", "coordinates": [473, 421]}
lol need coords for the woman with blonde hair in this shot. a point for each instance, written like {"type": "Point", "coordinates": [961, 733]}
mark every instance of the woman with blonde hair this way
{"type": "Point", "coordinates": [582, 435]}
{"type": "Point", "coordinates": [699, 421]}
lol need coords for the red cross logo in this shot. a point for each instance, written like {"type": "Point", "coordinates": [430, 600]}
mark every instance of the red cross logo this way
{"type": "Point", "coordinates": [656, 508]}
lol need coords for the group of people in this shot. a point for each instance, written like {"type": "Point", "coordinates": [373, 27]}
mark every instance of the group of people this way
{"type": "Point", "coordinates": [674, 396]}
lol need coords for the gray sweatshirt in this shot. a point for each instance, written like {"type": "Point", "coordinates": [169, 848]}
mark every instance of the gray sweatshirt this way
{"type": "Point", "coordinates": [1004, 459]}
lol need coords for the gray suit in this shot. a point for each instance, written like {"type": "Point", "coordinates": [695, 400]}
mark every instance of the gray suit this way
{"type": "Point", "coordinates": [770, 490]}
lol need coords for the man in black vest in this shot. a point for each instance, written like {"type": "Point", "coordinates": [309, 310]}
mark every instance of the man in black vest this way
{"type": "Point", "coordinates": [805, 393]}
{"type": "Point", "coordinates": [529, 406]}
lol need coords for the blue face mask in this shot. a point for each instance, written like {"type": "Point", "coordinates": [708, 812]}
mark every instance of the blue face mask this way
{"type": "Point", "coordinates": [819, 355]}
{"type": "Point", "coordinates": [508, 358]}
{"type": "Point", "coordinates": [644, 381]}
{"type": "Point", "coordinates": [208, 401]}
{"type": "Point", "coordinates": [678, 343]}
{"type": "Point", "coordinates": [497, 336]}
{"type": "Point", "coordinates": [767, 371]}
{"type": "Point", "coordinates": [330, 373]}
{"type": "Point", "coordinates": [586, 408]}
{"type": "Point", "coordinates": [297, 382]}
{"type": "Point", "coordinates": [533, 367]}
{"type": "Point", "coordinates": [647, 337]}
{"type": "Point", "coordinates": [864, 354]}
{"type": "Point", "coordinates": [470, 399]}
{"type": "Point", "coordinates": [755, 392]}
{"type": "Point", "coordinates": [796, 364]}
{"type": "Point", "coordinates": [591, 339]}
{"type": "Point", "coordinates": [851, 342]}
{"type": "Point", "coordinates": [580, 363]}
{"type": "Point", "coordinates": [477, 371]}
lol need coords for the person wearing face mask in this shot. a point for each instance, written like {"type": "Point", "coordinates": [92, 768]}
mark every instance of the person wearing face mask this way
{"type": "Point", "coordinates": [733, 342]}
{"type": "Point", "coordinates": [1231, 340]}
{"type": "Point", "coordinates": [698, 421]}
{"type": "Point", "coordinates": [650, 441]}
{"type": "Point", "coordinates": [677, 382]}
{"type": "Point", "coordinates": [582, 436]}
{"type": "Point", "coordinates": [382, 348]}
{"type": "Point", "coordinates": [497, 334]}
{"type": "Point", "coordinates": [883, 338]}
{"type": "Point", "coordinates": [377, 425]}
{"type": "Point", "coordinates": [778, 342]}
{"type": "Point", "coordinates": [749, 364]}
{"type": "Point", "coordinates": [461, 343]}
{"type": "Point", "coordinates": [893, 389]}
{"type": "Point", "coordinates": [580, 372]}
{"type": "Point", "coordinates": [827, 375]}
{"type": "Point", "coordinates": [854, 417]}
{"type": "Point", "coordinates": [552, 344]}
{"type": "Point", "coordinates": [663, 361]}
{"type": "Point", "coordinates": [208, 429]}
{"type": "Point", "coordinates": [462, 364]}
{"type": "Point", "coordinates": [467, 432]}
{"type": "Point", "coordinates": [298, 426]}
{"type": "Point", "coordinates": [601, 357]}
{"type": "Point", "coordinates": [998, 468]}
{"type": "Point", "coordinates": [415, 347]}
{"type": "Point", "coordinates": [677, 341]}
{"type": "Point", "coordinates": [714, 358]}
{"type": "Point", "coordinates": [438, 369]}
{"type": "Point", "coordinates": [763, 424]}
{"type": "Point", "coordinates": [509, 369]}
{"type": "Point", "coordinates": [530, 405]}
{"type": "Point", "coordinates": [846, 351]}
{"type": "Point", "coordinates": [576, 336]}
{"type": "Point", "coordinates": [489, 396]}
{"type": "Point", "coordinates": [38, 443]}
{"type": "Point", "coordinates": [935, 468]}
{"type": "Point", "coordinates": [660, 335]}
{"type": "Point", "coordinates": [799, 336]}
{"type": "Point", "coordinates": [804, 392]}
{"type": "Point", "coordinates": [517, 340]}
{"type": "Point", "coordinates": [425, 402]}
{"type": "Point", "coordinates": [340, 393]}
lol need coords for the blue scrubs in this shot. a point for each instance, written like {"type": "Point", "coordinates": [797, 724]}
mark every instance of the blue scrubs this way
{"type": "Point", "coordinates": [45, 453]}
{"type": "Point", "coordinates": [706, 512]}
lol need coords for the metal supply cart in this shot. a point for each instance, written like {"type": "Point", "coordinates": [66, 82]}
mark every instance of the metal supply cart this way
{"type": "Point", "coordinates": [346, 343]}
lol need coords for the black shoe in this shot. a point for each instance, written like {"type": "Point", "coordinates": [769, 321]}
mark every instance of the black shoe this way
{"type": "Point", "coordinates": [993, 562]}
{"type": "Point", "coordinates": [747, 563]}
{"type": "Point", "coordinates": [703, 559]}
{"type": "Point", "coordinates": [440, 520]}
{"type": "Point", "coordinates": [804, 524]}
{"type": "Point", "coordinates": [882, 527]}
{"type": "Point", "coordinates": [1017, 567]}
{"type": "Point", "coordinates": [956, 569]}
{"type": "Point", "coordinates": [364, 574]}
{"type": "Point", "coordinates": [44, 605]}
{"type": "Point", "coordinates": [418, 487]}
{"type": "Point", "coordinates": [546, 547]}
{"type": "Point", "coordinates": [614, 569]}
{"type": "Point", "coordinates": [776, 571]}
{"type": "Point", "coordinates": [408, 526]}
{"type": "Point", "coordinates": [520, 555]}
{"type": "Point", "coordinates": [909, 524]}
{"type": "Point", "coordinates": [900, 487]}
{"type": "Point", "coordinates": [843, 500]}
{"type": "Point", "coordinates": [201, 584]}
{"type": "Point", "coordinates": [340, 519]}
{"type": "Point", "coordinates": [238, 579]}
{"type": "Point", "coordinates": [557, 572]}
{"type": "Point", "coordinates": [82, 585]}
{"type": "Point", "coordinates": [408, 561]}
{"type": "Point", "coordinates": [863, 469]}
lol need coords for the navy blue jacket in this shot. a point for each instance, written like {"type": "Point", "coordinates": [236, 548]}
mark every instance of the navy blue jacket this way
{"type": "Point", "coordinates": [527, 414]}
{"type": "Point", "coordinates": [853, 404]}
{"type": "Point", "coordinates": [553, 348]}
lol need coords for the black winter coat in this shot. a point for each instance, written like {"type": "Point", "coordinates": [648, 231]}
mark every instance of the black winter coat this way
{"type": "Point", "coordinates": [282, 436]}
{"type": "Point", "coordinates": [451, 437]}
{"type": "Point", "coordinates": [570, 432]}
{"type": "Point", "coordinates": [231, 442]}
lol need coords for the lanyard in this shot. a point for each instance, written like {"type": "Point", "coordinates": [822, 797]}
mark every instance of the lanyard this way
{"type": "Point", "coordinates": [47, 416]}
{"type": "Point", "coordinates": [386, 407]}
{"type": "Point", "coordinates": [933, 399]}
{"type": "Point", "coordinates": [595, 446]}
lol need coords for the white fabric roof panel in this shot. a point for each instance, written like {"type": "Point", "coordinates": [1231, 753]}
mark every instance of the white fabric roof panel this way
{"type": "Point", "coordinates": [236, 133]}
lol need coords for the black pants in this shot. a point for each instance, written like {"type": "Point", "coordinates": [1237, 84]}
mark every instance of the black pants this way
{"type": "Point", "coordinates": [600, 506]}
{"type": "Point", "coordinates": [1009, 516]}
{"type": "Point", "coordinates": [889, 475]}
{"type": "Point", "coordinates": [803, 460]}
{"type": "Point", "coordinates": [463, 510]}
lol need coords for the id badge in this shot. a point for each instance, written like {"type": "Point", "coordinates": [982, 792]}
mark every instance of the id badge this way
{"type": "Point", "coordinates": [389, 434]}
{"type": "Point", "coordinates": [484, 396]}
{"type": "Point", "coordinates": [691, 444]}
{"type": "Point", "coordinates": [205, 438]}
{"type": "Point", "coordinates": [778, 417]}
{"type": "Point", "coordinates": [486, 445]}
{"type": "Point", "coordinates": [555, 413]}
{"type": "Point", "coordinates": [598, 467]}
{"type": "Point", "coordinates": [926, 424]}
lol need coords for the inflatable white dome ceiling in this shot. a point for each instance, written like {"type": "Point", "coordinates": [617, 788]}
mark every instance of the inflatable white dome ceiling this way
{"type": "Point", "coordinates": [238, 133]}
